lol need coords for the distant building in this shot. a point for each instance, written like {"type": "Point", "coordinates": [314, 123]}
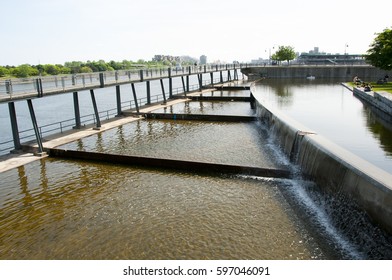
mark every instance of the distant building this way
{"type": "Point", "coordinates": [203, 59]}
{"type": "Point", "coordinates": [160, 58]}
{"type": "Point", "coordinates": [260, 61]}
{"type": "Point", "coordinates": [321, 58]}
{"type": "Point", "coordinates": [315, 51]}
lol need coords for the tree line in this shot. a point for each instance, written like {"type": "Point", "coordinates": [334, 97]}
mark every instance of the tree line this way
{"type": "Point", "coordinates": [74, 67]}
{"type": "Point", "coordinates": [379, 55]}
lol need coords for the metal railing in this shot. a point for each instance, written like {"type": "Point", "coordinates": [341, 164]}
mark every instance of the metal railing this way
{"type": "Point", "coordinates": [39, 86]}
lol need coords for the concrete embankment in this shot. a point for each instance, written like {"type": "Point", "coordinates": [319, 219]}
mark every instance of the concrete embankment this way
{"type": "Point", "coordinates": [302, 71]}
{"type": "Point", "coordinates": [380, 100]}
{"type": "Point", "coordinates": [332, 167]}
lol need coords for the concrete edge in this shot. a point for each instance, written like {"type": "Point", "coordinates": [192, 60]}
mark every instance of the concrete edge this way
{"type": "Point", "coordinates": [184, 165]}
{"type": "Point", "coordinates": [370, 186]}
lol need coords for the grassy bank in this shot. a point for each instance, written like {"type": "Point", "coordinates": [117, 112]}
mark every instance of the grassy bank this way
{"type": "Point", "coordinates": [384, 87]}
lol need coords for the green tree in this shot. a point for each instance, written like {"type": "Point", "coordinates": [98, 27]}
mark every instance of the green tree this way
{"type": "Point", "coordinates": [85, 69]}
{"type": "Point", "coordinates": [3, 71]}
{"type": "Point", "coordinates": [63, 69]}
{"type": "Point", "coordinates": [74, 66]}
{"type": "Point", "coordinates": [24, 71]}
{"type": "Point", "coordinates": [380, 52]}
{"type": "Point", "coordinates": [284, 53]}
{"type": "Point", "coordinates": [51, 69]}
{"type": "Point", "coordinates": [127, 64]}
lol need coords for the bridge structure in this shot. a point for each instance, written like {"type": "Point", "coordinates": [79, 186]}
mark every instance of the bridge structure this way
{"type": "Point", "coordinates": [13, 90]}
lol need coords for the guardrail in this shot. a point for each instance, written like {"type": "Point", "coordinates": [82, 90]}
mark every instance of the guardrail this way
{"type": "Point", "coordinates": [39, 86]}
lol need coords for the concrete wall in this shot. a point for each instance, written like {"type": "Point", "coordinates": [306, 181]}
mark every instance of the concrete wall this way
{"type": "Point", "coordinates": [301, 71]}
{"type": "Point", "coordinates": [332, 167]}
{"type": "Point", "coordinates": [380, 100]}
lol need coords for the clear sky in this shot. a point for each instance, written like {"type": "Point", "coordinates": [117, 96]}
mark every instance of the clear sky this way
{"type": "Point", "coordinates": [56, 31]}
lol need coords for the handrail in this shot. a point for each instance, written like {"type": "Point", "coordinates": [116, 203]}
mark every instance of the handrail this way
{"type": "Point", "coordinates": [39, 86]}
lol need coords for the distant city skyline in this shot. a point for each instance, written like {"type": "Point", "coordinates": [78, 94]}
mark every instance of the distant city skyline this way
{"type": "Point", "coordinates": [53, 31]}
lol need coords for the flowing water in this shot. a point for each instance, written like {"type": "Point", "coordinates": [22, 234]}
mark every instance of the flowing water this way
{"type": "Point", "coordinates": [66, 209]}
{"type": "Point", "coordinates": [74, 210]}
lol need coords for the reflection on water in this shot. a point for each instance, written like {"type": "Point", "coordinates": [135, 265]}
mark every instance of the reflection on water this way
{"type": "Point", "coordinates": [209, 108]}
{"type": "Point", "coordinates": [331, 110]}
{"type": "Point", "coordinates": [74, 210]}
{"type": "Point", "coordinates": [380, 127]}
{"type": "Point", "coordinates": [216, 142]}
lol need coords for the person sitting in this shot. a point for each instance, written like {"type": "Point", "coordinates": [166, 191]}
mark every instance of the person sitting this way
{"type": "Point", "coordinates": [381, 81]}
{"type": "Point", "coordinates": [357, 80]}
{"type": "Point", "coordinates": [368, 87]}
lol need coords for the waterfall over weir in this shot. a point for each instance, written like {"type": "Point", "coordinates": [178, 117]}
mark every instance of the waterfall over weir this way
{"type": "Point", "coordinates": [350, 199]}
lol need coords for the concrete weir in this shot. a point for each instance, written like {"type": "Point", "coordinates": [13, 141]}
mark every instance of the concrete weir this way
{"type": "Point", "coordinates": [332, 167]}
{"type": "Point", "coordinates": [201, 167]}
{"type": "Point", "coordinates": [199, 117]}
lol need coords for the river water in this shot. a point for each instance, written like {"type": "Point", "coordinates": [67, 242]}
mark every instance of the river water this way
{"type": "Point", "coordinates": [329, 109]}
{"type": "Point", "coordinates": [63, 209]}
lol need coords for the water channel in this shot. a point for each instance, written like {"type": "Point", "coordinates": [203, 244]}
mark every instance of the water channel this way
{"type": "Point", "coordinates": [62, 209]}
{"type": "Point", "coordinates": [329, 109]}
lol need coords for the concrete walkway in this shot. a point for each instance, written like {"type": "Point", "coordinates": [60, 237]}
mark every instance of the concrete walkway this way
{"type": "Point", "coordinates": [15, 160]}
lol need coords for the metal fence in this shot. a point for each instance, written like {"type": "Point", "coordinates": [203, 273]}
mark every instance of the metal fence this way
{"type": "Point", "coordinates": [39, 86]}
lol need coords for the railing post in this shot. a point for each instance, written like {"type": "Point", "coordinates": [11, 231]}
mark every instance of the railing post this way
{"type": "Point", "coordinates": [98, 126]}
{"type": "Point", "coordinates": [101, 80]}
{"type": "Point", "coordinates": [134, 97]}
{"type": "Point", "coordinates": [170, 83]}
{"type": "Point", "coordinates": [200, 78]}
{"type": "Point", "coordinates": [35, 126]}
{"type": "Point", "coordinates": [183, 84]}
{"type": "Point", "coordinates": [39, 87]}
{"type": "Point", "coordinates": [76, 110]}
{"type": "Point", "coordinates": [141, 75]}
{"type": "Point", "coordinates": [8, 86]}
{"type": "Point", "coordinates": [163, 91]}
{"type": "Point", "coordinates": [148, 89]}
{"type": "Point", "coordinates": [14, 126]}
{"type": "Point", "coordinates": [118, 99]}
